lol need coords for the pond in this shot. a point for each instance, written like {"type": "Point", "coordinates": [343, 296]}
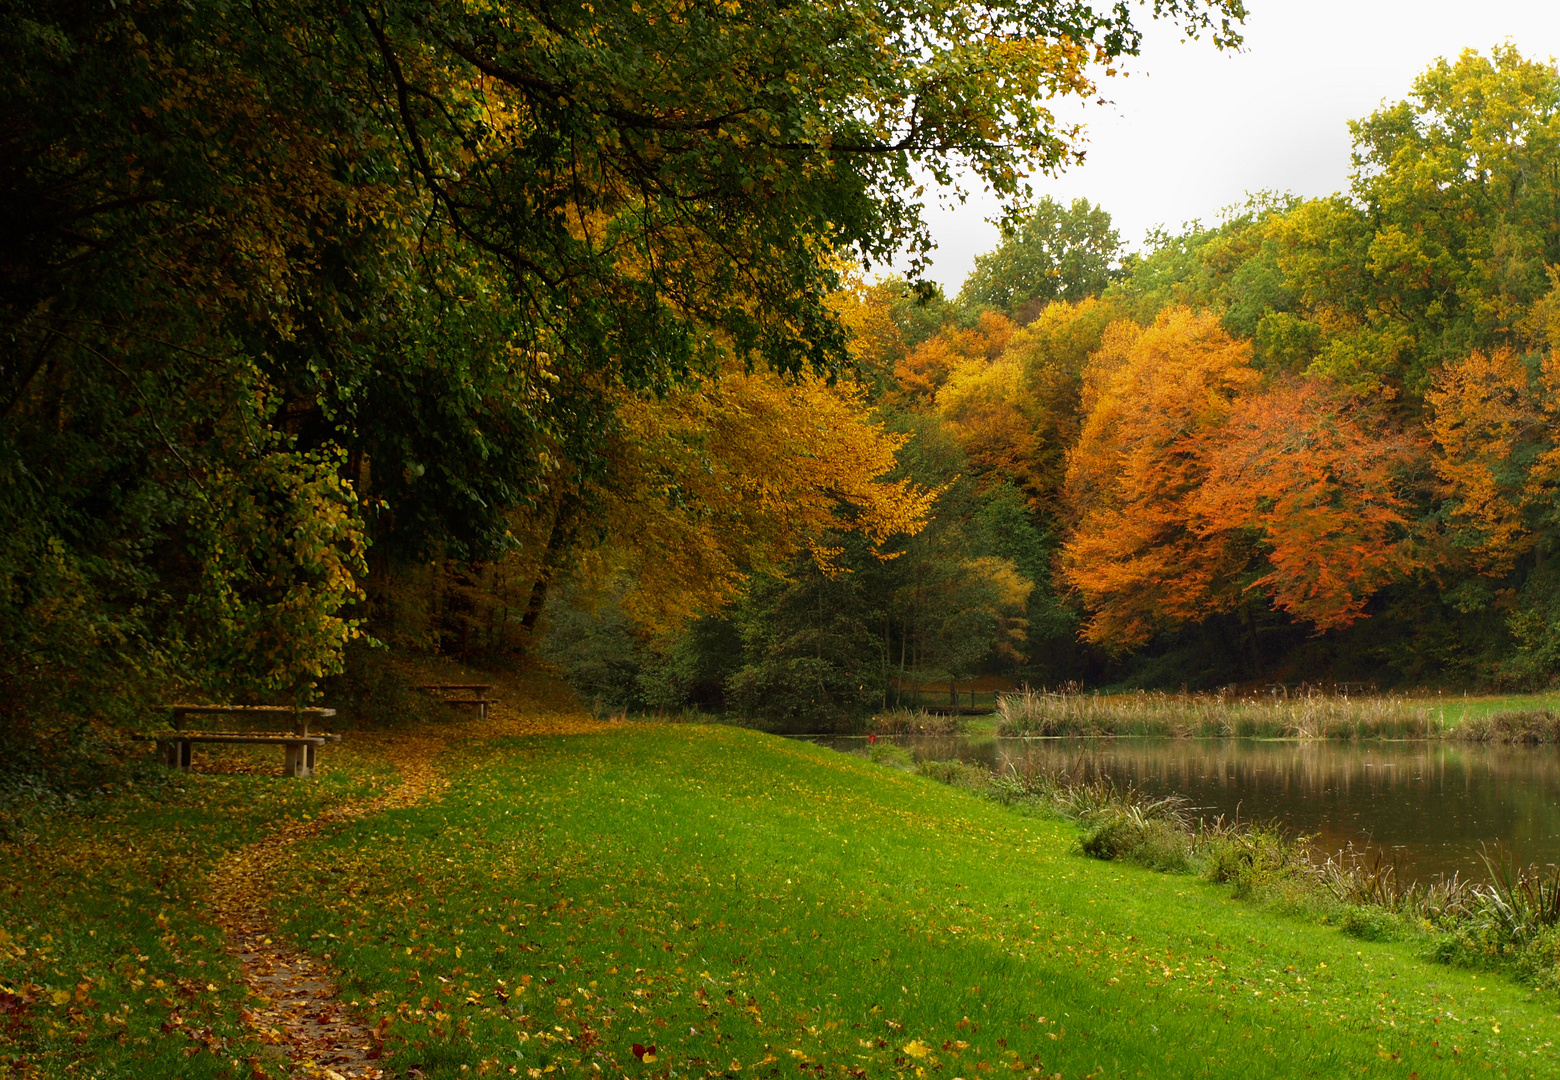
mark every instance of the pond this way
{"type": "Point", "coordinates": [1427, 806]}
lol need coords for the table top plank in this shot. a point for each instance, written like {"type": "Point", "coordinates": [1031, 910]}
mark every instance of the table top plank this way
{"type": "Point", "coordinates": [266, 710]}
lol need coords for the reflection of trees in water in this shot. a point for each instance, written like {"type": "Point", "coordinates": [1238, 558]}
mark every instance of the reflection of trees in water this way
{"type": "Point", "coordinates": [1429, 804]}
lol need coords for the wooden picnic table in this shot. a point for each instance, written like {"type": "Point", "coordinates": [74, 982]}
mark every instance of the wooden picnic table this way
{"type": "Point", "coordinates": [298, 746]}
{"type": "Point", "coordinates": [477, 694]}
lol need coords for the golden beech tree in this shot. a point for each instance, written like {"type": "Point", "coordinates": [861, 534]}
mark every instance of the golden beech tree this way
{"type": "Point", "coordinates": [922, 373]}
{"type": "Point", "coordinates": [1308, 472]}
{"type": "Point", "coordinates": [1493, 452]}
{"type": "Point", "coordinates": [1136, 554]}
{"type": "Point", "coordinates": [986, 407]}
{"type": "Point", "coordinates": [741, 473]}
{"type": "Point", "coordinates": [1015, 414]}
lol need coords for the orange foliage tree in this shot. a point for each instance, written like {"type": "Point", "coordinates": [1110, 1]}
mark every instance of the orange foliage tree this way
{"type": "Point", "coordinates": [922, 373]}
{"type": "Point", "coordinates": [1308, 473]}
{"type": "Point", "coordinates": [1136, 554]}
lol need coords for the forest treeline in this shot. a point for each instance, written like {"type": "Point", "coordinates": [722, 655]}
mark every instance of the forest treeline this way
{"type": "Point", "coordinates": [338, 330]}
{"type": "Point", "coordinates": [360, 326]}
{"type": "Point", "coordinates": [1316, 440]}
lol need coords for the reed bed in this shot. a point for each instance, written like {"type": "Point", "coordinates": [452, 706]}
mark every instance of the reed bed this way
{"type": "Point", "coordinates": [1035, 713]}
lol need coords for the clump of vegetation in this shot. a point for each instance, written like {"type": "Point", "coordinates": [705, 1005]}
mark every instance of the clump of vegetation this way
{"type": "Point", "coordinates": [1528, 726]}
{"type": "Point", "coordinates": [896, 757]}
{"type": "Point", "coordinates": [957, 773]}
{"type": "Point", "coordinates": [915, 722]}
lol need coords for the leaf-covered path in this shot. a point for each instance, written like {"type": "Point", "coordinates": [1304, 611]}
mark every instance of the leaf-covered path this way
{"type": "Point", "coordinates": [295, 1008]}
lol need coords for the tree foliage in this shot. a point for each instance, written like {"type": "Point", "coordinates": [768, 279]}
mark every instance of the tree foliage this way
{"type": "Point", "coordinates": [1137, 554]}
{"type": "Point", "coordinates": [292, 288]}
{"type": "Point", "coordinates": [1056, 253]}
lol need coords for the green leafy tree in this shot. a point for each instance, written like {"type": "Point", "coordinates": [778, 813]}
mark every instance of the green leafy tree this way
{"type": "Point", "coordinates": [1056, 253]}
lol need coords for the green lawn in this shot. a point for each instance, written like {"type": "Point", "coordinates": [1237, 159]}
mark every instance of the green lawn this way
{"type": "Point", "coordinates": [749, 905]}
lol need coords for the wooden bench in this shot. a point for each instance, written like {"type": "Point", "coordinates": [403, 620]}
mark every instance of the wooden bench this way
{"type": "Point", "coordinates": [298, 746]}
{"type": "Point", "coordinates": [477, 694]}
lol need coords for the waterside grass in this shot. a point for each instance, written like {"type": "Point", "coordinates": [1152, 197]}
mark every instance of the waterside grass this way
{"type": "Point", "coordinates": [1036, 713]}
{"type": "Point", "coordinates": [1509, 924]}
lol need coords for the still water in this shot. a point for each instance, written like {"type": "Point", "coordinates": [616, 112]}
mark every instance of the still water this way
{"type": "Point", "coordinates": [1427, 806]}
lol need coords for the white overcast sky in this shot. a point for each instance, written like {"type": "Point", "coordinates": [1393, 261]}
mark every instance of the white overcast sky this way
{"type": "Point", "coordinates": [1192, 130]}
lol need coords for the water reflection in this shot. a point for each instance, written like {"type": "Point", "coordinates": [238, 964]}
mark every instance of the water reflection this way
{"type": "Point", "coordinates": [1429, 806]}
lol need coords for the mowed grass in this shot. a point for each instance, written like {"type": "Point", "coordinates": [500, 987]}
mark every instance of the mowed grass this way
{"type": "Point", "coordinates": [751, 906]}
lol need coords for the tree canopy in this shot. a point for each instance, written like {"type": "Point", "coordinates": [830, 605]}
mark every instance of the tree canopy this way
{"type": "Point", "coordinates": [295, 293]}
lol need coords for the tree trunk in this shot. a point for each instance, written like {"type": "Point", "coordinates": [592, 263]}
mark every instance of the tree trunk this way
{"type": "Point", "coordinates": [558, 541]}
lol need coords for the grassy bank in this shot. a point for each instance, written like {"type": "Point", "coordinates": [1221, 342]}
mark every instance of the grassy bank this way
{"type": "Point", "coordinates": [1526, 719]}
{"type": "Point", "coordinates": [666, 901]}
{"type": "Point", "coordinates": [1509, 922]}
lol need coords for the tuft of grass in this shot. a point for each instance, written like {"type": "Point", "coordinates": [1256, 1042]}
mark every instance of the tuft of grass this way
{"type": "Point", "coordinates": [955, 773]}
{"type": "Point", "coordinates": [1518, 904]}
{"type": "Point", "coordinates": [886, 753]}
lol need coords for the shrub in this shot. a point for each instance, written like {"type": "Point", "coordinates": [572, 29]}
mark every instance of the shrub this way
{"type": "Point", "coordinates": [888, 754]}
{"type": "Point", "coordinates": [956, 773]}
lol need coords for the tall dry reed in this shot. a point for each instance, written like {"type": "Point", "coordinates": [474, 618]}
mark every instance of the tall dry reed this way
{"type": "Point", "coordinates": [1314, 716]}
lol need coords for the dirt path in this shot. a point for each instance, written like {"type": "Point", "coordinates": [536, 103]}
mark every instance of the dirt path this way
{"type": "Point", "coordinates": [294, 1004]}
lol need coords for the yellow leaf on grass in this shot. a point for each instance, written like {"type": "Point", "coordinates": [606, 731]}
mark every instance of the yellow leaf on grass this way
{"type": "Point", "coordinates": [61, 997]}
{"type": "Point", "coordinates": [917, 1049]}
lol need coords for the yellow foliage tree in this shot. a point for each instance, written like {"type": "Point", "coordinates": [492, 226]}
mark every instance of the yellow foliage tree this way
{"type": "Point", "coordinates": [744, 473]}
{"type": "Point", "coordinates": [1491, 432]}
{"type": "Point", "coordinates": [922, 373]}
{"type": "Point", "coordinates": [1016, 414]}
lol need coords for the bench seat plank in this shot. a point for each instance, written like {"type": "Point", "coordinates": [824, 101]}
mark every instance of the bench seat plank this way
{"type": "Point", "coordinates": [241, 710]}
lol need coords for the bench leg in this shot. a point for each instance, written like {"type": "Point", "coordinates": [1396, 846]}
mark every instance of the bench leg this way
{"type": "Point", "coordinates": [175, 753]}
{"type": "Point", "coordinates": [298, 760]}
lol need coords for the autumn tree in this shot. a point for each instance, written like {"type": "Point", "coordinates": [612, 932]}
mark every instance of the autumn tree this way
{"type": "Point", "coordinates": [741, 475]}
{"type": "Point", "coordinates": [1488, 427]}
{"type": "Point", "coordinates": [1320, 483]}
{"type": "Point", "coordinates": [1016, 413]}
{"type": "Point", "coordinates": [1136, 554]}
{"type": "Point", "coordinates": [923, 371]}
